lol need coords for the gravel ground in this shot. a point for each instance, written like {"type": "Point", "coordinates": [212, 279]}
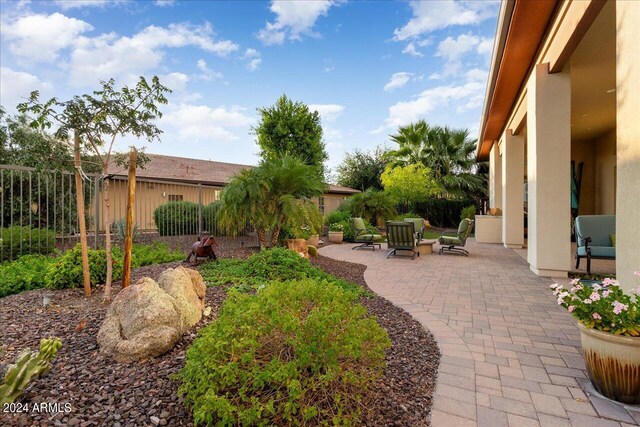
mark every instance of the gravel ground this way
{"type": "Point", "coordinates": [103, 392]}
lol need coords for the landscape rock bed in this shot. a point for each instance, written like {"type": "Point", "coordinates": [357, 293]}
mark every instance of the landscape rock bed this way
{"type": "Point", "coordinates": [103, 392]}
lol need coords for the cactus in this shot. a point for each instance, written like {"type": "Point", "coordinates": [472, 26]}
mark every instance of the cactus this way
{"type": "Point", "coordinates": [29, 364]}
{"type": "Point", "coordinates": [313, 251]}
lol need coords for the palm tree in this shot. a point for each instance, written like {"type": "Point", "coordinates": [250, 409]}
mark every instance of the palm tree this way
{"type": "Point", "coordinates": [449, 153]}
{"type": "Point", "coordinates": [270, 196]}
{"type": "Point", "coordinates": [372, 205]}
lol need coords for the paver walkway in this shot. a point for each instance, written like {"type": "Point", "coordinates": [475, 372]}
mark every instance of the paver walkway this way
{"type": "Point", "coordinates": [510, 355]}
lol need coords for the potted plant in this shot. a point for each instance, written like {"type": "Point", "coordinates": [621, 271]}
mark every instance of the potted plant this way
{"type": "Point", "coordinates": [336, 233]}
{"type": "Point", "coordinates": [609, 324]}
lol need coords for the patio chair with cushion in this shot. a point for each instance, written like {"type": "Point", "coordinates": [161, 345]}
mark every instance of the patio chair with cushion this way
{"type": "Point", "coordinates": [401, 236]}
{"type": "Point", "coordinates": [367, 236]}
{"type": "Point", "coordinates": [454, 241]}
{"type": "Point", "coordinates": [595, 237]}
{"type": "Point", "coordinates": [418, 225]}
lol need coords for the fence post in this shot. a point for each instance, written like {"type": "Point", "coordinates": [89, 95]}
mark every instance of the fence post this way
{"type": "Point", "coordinates": [199, 209]}
{"type": "Point", "coordinates": [96, 202]}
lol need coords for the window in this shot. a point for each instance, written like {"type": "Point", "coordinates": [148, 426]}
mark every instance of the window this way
{"type": "Point", "coordinates": [321, 204]}
{"type": "Point", "coordinates": [175, 197]}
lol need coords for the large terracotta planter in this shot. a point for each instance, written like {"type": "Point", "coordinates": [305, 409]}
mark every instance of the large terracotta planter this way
{"type": "Point", "coordinates": [613, 364]}
{"type": "Point", "coordinates": [313, 240]}
{"type": "Point", "coordinates": [299, 246]}
{"type": "Point", "coordinates": [336, 236]}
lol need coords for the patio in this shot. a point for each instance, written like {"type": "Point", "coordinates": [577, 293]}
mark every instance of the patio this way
{"type": "Point", "coordinates": [510, 355]}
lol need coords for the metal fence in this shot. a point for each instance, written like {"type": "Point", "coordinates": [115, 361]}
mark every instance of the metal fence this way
{"type": "Point", "coordinates": [34, 199]}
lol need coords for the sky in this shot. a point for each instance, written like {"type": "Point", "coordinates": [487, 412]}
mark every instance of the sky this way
{"type": "Point", "coordinates": [366, 67]}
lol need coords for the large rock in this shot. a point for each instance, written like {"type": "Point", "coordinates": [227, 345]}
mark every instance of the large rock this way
{"type": "Point", "coordinates": [141, 322]}
{"type": "Point", "coordinates": [148, 318]}
{"type": "Point", "coordinates": [187, 288]}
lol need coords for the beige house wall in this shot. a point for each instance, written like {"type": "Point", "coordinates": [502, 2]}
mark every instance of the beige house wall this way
{"type": "Point", "coordinates": [605, 174]}
{"type": "Point", "coordinates": [584, 152]}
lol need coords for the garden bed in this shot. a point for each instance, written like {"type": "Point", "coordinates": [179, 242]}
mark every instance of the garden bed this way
{"type": "Point", "coordinates": [102, 391]}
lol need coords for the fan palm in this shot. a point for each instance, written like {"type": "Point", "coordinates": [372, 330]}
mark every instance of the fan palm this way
{"type": "Point", "coordinates": [270, 196]}
{"type": "Point", "coordinates": [372, 205]}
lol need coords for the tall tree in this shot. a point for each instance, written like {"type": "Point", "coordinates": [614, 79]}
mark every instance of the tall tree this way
{"type": "Point", "coordinates": [362, 169]}
{"type": "Point", "coordinates": [275, 194]}
{"type": "Point", "coordinates": [99, 119]}
{"type": "Point", "coordinates": [409, 184]}
{"type": "Point", "coordinates": [449, 153]}
{"type": "Point", "coordinates": [290, 128]}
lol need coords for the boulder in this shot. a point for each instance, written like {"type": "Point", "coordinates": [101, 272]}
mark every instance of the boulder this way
{"type": "Point", "coordinates": [141, 322]}
{"type": "Point", "coordinates": [148, 318]}
{"type": "Point", "coordinates": [187, 288]}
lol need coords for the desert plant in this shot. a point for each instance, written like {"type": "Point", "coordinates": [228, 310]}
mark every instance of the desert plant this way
{"type": "Point", "coordinates": [313, 251]}
{"type": "Point", "coordinates": [17, 241]}
{"type": "Point", "coordinates": [294, 353]}
{"type": "Point", "coordinates": [28, 365]}
{"type": "Point", "coordinates": [120, 229]}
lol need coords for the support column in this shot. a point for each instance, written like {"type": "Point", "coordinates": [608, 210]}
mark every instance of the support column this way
{"type": "Point", "coordinates": [549, 171]}
{"type": "Point", "coordinates": [495, 177]}
{"type": "Point", "coordinates": [627, 144]}
{"type": "Point", "coordinates": [512, 190]}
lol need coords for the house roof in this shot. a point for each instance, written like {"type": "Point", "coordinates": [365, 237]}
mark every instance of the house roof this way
{"type": "Point", "coordinates": [194, 171]}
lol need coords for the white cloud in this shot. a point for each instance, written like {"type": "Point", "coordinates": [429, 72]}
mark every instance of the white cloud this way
{"type": "Point", "coordinates": [203, 123]}
{"type": "Point", "coordinates": [410, 49]}
{"type": "Point", "coordinates": [398, 80]}
{"type": "Point", "coordinates": [17, 86]}
{"type": "Point", "coordinates": [454, 50]}
{"type": "Point", "coordinates": [39, 38]}
{"type": "Point", "coordinates": [328, 112]}
{"type": "Point", "coordinates": [207, 73]}
{"type": "Point", "coordinates": [109, 55]}
{"type": "Point", "coordinates": [429, 16]}
{"type": "Point", "coordinates": [293, 20]}
{"type": "Point", "coordinates": [254, 59]}
{"type": "Point", "coordinates": [477, 75]}
{"type": "Point", "coordinates": [461, 98]}
{"type": "Point", "coordinates": [163, 3]}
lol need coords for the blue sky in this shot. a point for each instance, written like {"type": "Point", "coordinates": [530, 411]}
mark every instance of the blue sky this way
{"type": "Point", "coordinates": [367, 67]}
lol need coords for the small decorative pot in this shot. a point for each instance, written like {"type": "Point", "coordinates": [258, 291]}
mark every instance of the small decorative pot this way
{"type": "Point", "coordinates": [313, 240]}
{"type": "Point", "coordinates": [336, 236]}
{"type": "Point", "coordinates": [613, 364]}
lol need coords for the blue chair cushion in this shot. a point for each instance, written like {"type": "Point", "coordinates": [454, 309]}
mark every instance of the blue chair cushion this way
{"type": "Point", "coordinates": [598, 227]}
{"type": "Point", "coordinates": [598, 251]}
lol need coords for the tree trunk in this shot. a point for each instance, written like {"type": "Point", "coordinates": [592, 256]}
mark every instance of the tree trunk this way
{"type": "Point", "coordinates": [128, 240]}
{"type": "Point", "coordinates": [275, 233]}
{"type": "Point", "coordinates": [86, 273]}
{"type": "Point", "coordinates": [261, 237]}
{"type": "Point", "coordinates": [107, 240]}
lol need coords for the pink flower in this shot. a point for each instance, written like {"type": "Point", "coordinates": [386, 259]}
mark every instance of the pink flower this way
{"type": "Point", "coordinates": [619, 307]}
{"type": "Point", "coordinates": [553, 286]}
{"type": "Point", "coordinates": [636, 273]}
{"type": "Point", "coordinates": [574, 282]}
{"type": "Point", "coordinates": [597, 316]}
{"type": "Point", "coordinates": [587, 301]}
{"type": "Point", "coordinates": [608, 282]}
{"type": "Point", "coordinates": [597, 287]}
{"type": "Point", "coordinates": [594, 296]}
{"type": "Point", "coordinates": [606, 293]}
{"type": "Point", "coordinates": [571, 308]}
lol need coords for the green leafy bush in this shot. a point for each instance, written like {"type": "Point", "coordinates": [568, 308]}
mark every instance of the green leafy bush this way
{"type": "Point", "coordinates": [66, 272]}
{"type": "Point", "coordinates": [210, 221]}
{"type": "Point", "coordinates": [24, 274]}
{"type": "Point", "coordinates": [156, 253]}
{"type": "Point", "coordinates": [17, 241]}
{"type": "Point", "coordinates": [337, 216]}
{"type": "Point", "coordinates": [468, 212]}
{"type": "Point", "coordinates": [176, 218]}
{"type": "Point", "coordinates": [295, 353]}
{"type": "Point", "coordinates": [442, 212]}
{"type": "Point", "coordinates": [277, 264]}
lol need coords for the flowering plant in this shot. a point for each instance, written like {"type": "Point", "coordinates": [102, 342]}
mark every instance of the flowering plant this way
{"type": "Point", "coordinates": [336, 226]}
{"type": "Point", "coordinates": [605, 307]}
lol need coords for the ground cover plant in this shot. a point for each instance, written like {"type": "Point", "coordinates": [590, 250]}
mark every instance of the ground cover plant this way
{"type": "Point", "coordinates": [277, 264]}
{"type": "Point", "coordinates": [65, 271]}
{"type": "Point", "coordinates": [295, 353]}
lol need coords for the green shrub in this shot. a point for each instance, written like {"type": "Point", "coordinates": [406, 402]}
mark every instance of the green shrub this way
{"type": "Point", "coordinates": [17, 241]}
{"type": "Point", "coordinates": [295, 353]}
{"type": "Point", "coordinates": [400, 217]}
{"type": "Point", "coordinates": [442, 212]}
{"type": "Point", "coordinates": [176, 218]}
{"type": "Point", "coordinates": [210, 221]}
{"type": "Point", "coordinates": [468, 212]}
{"type": "Point", "coordinates": [337, 216]}
{"type": "Point", "coordinates": [156, 253]}
{"type": "Point", "coordinates": [276, 264]}
{"type": "Point", "coordinates": [24, 274]}
{"type": "Point", "coordinates": [66, 272]}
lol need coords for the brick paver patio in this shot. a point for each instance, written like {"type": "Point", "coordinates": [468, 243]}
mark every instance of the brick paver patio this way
{"type": "Point", "coordinates": [510, 355]}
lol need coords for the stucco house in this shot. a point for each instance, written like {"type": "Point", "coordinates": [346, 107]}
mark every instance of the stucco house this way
{"type": "Point", "coordinates": [563, 89]}
{"type": "Point", "coordinates": [169, 178]}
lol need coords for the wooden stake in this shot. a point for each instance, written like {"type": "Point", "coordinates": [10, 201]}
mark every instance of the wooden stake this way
{"type": "Point", "coordinates": [128, 240]}
{"type": "Point", "coordinates": [86, 274]}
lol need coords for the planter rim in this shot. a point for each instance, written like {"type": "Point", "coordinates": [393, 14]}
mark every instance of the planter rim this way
{"type": "Point", "coordinates": [336, 232]}
{"type": "Point", "coordinates": [612, 338]}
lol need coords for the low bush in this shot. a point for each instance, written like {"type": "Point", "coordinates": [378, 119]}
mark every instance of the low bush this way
{"type": "Point", "coordinates": [337, 216]}
{"type": "Point", "coordinates": [469, 212]}
{"type": "Point", "coordinates": [295, 353]}
{"type": "Point", "coordinates": [24, 274]}
{"type": "Point", "coordinates": [442, 212]}
{"type": "Point", "coordinates": [210, 221]}
{"type": "Point", "coordinates": [176, 218]}
{"type": "Point", "coordinates": [156, 253]}
{"type": "Point", "coordinates": [276, 264]}
{"type": "Point", "coordinates": [17, 241]}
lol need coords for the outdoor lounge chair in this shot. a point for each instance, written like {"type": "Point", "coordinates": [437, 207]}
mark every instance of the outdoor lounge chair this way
{"type": "Point", "coordinates": [594, 237]}
{"type": "Point", "coordinates": [455, 241]}
{"type": "Point", "coordinates": [401, 236]}
{"type": "Point", "coordinates": [367, 236]}
{"type": "Point", "coordinates": [418, 226]}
